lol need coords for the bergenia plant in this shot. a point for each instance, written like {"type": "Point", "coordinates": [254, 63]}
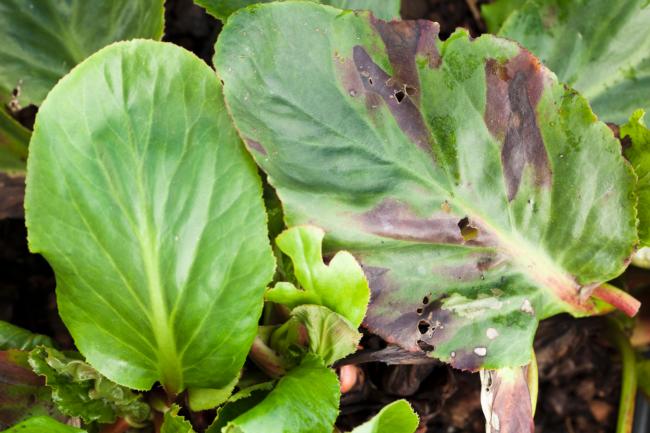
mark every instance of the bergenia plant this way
{"type": "Point", "coordinates": [444, 195]}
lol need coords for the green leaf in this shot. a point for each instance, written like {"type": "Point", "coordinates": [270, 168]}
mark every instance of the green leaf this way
{"type": "Point", "coordinates": [331, 336]}
{"type": "Point", "coordinates": [239, 403]}
{"type": "Point", "coordinates": [209, 398]}
{"type": "Point", "coordinates": [304, 401]}
{"type": "Point", "coordinates": [598, 47]}
{"type": "Point", "coordinates": [22, 392]}
{"type": "Point", "coordinates": [42, 40]}
{"type": "Point", "coordinates": [14, 337]}
{"type": "Point", "coordinates": [43, 424]}
{"type": "Point", "coordinates": [643, 374]}
{"type": "Point", "coordinates": [14, 139]}
{"type": "Point", "coordinates": [174, 423]}
{"type": "Point", "coordinates": [340, 286]}
{"type": "Point", "coordinates": [143, 200]}
{"type": "Point", "coordinates": [470, 185]}
{"type": "Point", "coordinates": [638, 153]}
{"type": "Point", "coordinates": [80, 391]}
{"type": "Point", "coordinates": [496, 12]}
{"type": "Point", "coordinates": [397, 417]}
{"type": "Point", "coordinates": [385, 9]}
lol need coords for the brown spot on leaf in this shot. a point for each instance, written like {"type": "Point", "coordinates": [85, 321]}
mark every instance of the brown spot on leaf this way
{"type": "Point", "coordinates": [395, 220]}
{"type": "Point", "coordinates": [256, 146]}
{"type": "Point", "coordinates": [513, 92]}
{"type": "Point", "coordinates": [506, 401]}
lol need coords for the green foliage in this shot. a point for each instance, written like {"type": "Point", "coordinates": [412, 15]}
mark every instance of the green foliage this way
{"type": "Point", "coordinates": [340, 286]}
{"type": "Point", "coordinates": [144, 202]}
{"type": "Point", "coordinates": [496, 12]}
{"type": "Point", "coordinates": [397, 417]}
{"type": "Point", "coordinates": [208, 398]}
{"type": "Point", "coordinates": [42, 40]}
{"type": "Point", "coordinates": [42, 424]}
{"type": "Point", "coordinates": [174, 423]}
{"type": "Point", "coordinates": [385, 9]}
{"type": "Point", "coordinates": [638, 153]}
{"type": "Point", "coordinates": [304, 401]}
{"type": "Point", "coordinates": [471, 186]}
{"type": "Point", "coordinates": [239, 403]}
{"type": "Point", "coordinates": [14, 337]}
{"type": "Point", "coordinates": [599, 47]}
{"type": "Point", "coordinates": [14, 139]}
{"type": "Point", "coordinates": [80, 391]}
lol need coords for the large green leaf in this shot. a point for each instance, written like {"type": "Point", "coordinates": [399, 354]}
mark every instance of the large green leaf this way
{"type": "Point", "coordinates": [14, 337]}
{"type": "Point", "coordinates": [478, 193]}
{"type": "Point", "coordinates": [43, 424]}
{"type": "Point", "coordinates": [385, 9]}
{"type": "Point", "coordinates": [340, 285]}
{"type": "Point", "coordinates": [599, 47]}
{"type": "Point", "coordinates": [22, 392]}
{"type": "Point", "coordinates": [42, 40]}
{"type": "Point", "coordinates": [637, 151]}
{"type": "Point", "coordinates": [304, 401]}
{"type": "Point", "coordinates": [143, 200]}
{"type": "Point", "coordinates": [14, 139]}
{"type": "Point", "coordinates": [80, 391]}
{"type": "Point", "coordinates": [397, 417]}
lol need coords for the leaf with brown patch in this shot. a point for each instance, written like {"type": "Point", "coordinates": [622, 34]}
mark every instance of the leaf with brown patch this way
{"type": "Point", "coordinates": [478, 194]}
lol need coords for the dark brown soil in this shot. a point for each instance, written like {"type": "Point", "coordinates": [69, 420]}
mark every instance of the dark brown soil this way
{"type": "Point", "coordinates": [579, 370]}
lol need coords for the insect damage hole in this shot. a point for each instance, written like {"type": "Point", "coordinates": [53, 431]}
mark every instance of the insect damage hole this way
{"type": "Point", "coordinates": [425, 346]}
{"type": "Point", "coordinates": [399, 95]}
{"type": "Point", "coordinates": [423, 327]}
{"type": "Point", "coordinates": [467, 231]}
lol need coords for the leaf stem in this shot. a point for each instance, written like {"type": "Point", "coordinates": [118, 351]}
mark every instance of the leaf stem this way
{"type": "Point", "coordinates": [617, 298]}
{"type": "Point", "coordinates": [625, 420]}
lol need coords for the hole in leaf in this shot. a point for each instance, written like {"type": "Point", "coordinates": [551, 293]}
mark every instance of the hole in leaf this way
{"type": "Point", "coordinates": [410, 90]}
{"type": "Point", "coordinates": [467, 231]}
{"type": "Point", "coordinates": [370, 81]}
{"type": "Point", "coordinates": [425, 346]}
{"type": "Point", "coordinates": [399, 95]}
{"type": "Point", "coordinates": [419, 310]}
{"type": "Point", "coordinates": [423, 326]}
{"type": "Point", "coordinates": [425, 300]}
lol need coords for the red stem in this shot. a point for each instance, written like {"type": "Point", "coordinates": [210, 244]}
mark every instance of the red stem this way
{"type": "Point", "coordinates": [617, 298]}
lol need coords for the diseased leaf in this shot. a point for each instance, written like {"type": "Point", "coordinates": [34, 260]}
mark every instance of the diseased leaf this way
{"type": "Point", "coordinates": [385, 9]}
{"type": "Point", "coordinates": [472, 187]}
{"type": "Point", "coordinates": [331, 336]}
{"type": "Point", "coordinates": [143, 200]}
{"type": "Point", "coordinates": [14, 337]}
{"type": "Point", "coordinates": [175, 423]}
{"type": "Point", "coordinates": [42, 424]}
{"type": "Point", "coordinates": [304, 401]}
{"type": "Point", "coordinates": [638, 153]}
{"type": "Point", "coordinates": [506, 402]}
{"type": "Point", "coordinates": [496, 12]}
{"type": "Point", "coordinates": [80, 391]}
{"type": "Point", "coordinates": [397, 417]}
{"type": "Point", "coordinates": [22, 392]}
{"type": "Point", "coordinates": [42, 40]}
{"type": "Point", "coordinates": [340, 286]}
{"type": "Point", "coordinates": [598, 47]}
{"type": "Point", "coordinates": [14, 139]}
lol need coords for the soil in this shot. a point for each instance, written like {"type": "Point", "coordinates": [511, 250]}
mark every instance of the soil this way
{"type": "Point", "coordinates": [579, 370]}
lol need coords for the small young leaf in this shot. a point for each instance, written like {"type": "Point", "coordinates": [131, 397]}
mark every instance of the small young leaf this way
{"type": "Point", "coordinates": [638, 153]}
{"type": "Point", "coordinates": [331, 336]}
{"type": "Point", "coordinates": [397, 417]}
{"type": "Point", "coordinates": [174, 423]}
{"type": "Point", "coordinates": [239, 403]}
{"type": "Point", "coordinates": [145, 203]}
{"type": "Point", "coordinates": [14, 139]}
{"type": "Point", "coordinates": [209, 398]}
{"type": "Point", "coordinates": [470, 185]}
{"type": "Point", "coordinates": [14, 337]}
{"type": "Point", "coordinates": [598, 47]}
{"type": "Point", "coordinates": [385, 9]}
{"type": "Point", "coordinates": [22, 392]}
{"type": "Point", "coordinates": [304, 401]}
{"type": "Point", "coordinates": [340, 286]}
{"type": "Point", "coordinates": [42, 40]}
{"type": "Point", "coordinates": [43, 424]}
{"type": "Point", "coordinates": [80, 391]}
